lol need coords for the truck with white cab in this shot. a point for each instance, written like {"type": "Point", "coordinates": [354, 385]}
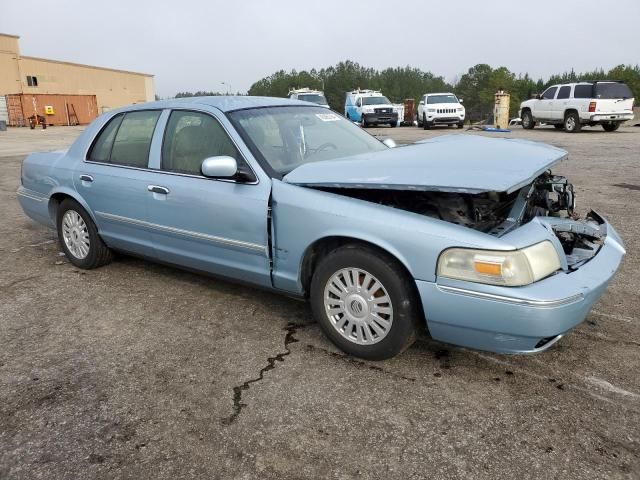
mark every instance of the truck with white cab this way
{"type": "Point", "coordinates": [370, 107]}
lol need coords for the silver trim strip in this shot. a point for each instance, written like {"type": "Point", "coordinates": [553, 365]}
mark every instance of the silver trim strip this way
{"type": "Point", "coordinates": [517, 301]}
{"type": "Point", "coordinates": [187, 233]}
{"type": "Point", "coordinates": [25, 192]}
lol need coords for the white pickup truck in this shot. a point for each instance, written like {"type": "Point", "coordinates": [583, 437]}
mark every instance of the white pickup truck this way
{"type": "Point", "coordinates": [571, 105]}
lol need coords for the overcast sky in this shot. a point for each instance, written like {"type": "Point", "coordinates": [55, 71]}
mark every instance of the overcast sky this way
{"type": "Point", "coordinates": [197, 44]}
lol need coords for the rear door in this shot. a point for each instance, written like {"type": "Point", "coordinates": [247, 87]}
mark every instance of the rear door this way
{"type": "Point", "coordinates": [218, 226]}
{"type": "Point", "coordinates": [113, 180]}
{"type": "Point", "coordinates": [613, 98]}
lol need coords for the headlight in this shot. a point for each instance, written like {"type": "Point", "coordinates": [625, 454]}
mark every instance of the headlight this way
{"type": "Point", "coordinates": [512, 268]}
{"type": "Point", "coordinates": [461, 109]}
{"type": "Point", "coordinates": [431, 110]}
{"type": "Point", "coordinates": [367, 109]}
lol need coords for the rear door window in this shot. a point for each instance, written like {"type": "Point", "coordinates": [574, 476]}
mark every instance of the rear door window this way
{"type": "Point", "coordinates": [549, 93]}
{"type": "Point", "coordinates": [564, 92]}
{"type": "Point", "coordinates": [133, 139]}
{"type": "Point", "coordinates": [101, 149]}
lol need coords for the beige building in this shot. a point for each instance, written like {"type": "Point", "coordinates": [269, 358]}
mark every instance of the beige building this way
{"type": "Point", "coordinates": [34, 77]}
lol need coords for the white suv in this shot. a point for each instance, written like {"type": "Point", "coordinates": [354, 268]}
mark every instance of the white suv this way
{"type": "Point", "coordinates": [571, 105]}
{"type": "Point", "coordinates": [308, 95]}
{"type": "Point", "coordinates": [440, 109]}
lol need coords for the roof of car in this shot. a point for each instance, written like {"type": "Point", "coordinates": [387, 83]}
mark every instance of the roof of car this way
{"type": "Point", "coordinates": [226, 103]}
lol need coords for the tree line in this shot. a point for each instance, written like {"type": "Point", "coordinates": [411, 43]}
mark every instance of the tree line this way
{"type": "Point", "coordinates": [476, 86]}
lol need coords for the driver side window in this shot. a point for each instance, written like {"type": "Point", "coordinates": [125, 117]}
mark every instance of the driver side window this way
{"type": "Point", "coordinates": [189, 138]}
{"type": "Point", "coordinates": [549, 93]}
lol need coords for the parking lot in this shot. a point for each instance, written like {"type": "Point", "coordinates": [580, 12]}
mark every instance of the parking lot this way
{"type": "Point", "coordinates": [138, 370]}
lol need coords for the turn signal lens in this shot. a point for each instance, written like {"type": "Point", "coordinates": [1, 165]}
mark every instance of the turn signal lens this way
{"type": "Point", "coordinates": [509, 268]}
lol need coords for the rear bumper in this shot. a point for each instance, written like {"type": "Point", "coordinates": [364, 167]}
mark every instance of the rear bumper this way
{"type": "Point", "coordinates": [611, 117]}
{"type": "Point", "coordinates": [518, 319]}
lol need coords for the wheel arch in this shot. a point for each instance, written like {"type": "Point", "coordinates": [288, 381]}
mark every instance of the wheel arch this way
{"type": "Point", "coordinates": [571, 110]}
{"type": "Point", "coordinates": [322, 246]}
{"type": "Point", "coordinates": [59, 195]}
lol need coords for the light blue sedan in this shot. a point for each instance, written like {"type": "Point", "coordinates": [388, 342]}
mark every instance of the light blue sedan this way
{"type": "Point", "coordinates": [473, 235]}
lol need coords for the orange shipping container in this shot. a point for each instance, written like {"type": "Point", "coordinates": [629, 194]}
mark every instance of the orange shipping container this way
{"type": "Point", "coordinates": [67, 109]}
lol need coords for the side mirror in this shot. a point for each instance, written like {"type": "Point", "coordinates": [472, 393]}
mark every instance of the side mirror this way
{"type": "Point", "coordinates": [421, 102]}
{"type": "Point", "coordinates": [219, 167]}
{"type": "Point", "coordinates": [461, 100]}
{"type": "Point", "coordinates": [538, 96]}
{"type": "Point", "coordinates": [389, 142]}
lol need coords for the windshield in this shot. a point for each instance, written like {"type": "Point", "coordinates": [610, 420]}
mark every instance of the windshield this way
{"type": "Point", "coordinates": [442, 99]}
{"type": "Point", "coordinates": [612, 90]}
{"type": "Point", "coordinates": [375, 101]}
{"type": "Point", "coordinates": [313, 97]}
{"type": "Point", "coordinates": [287, 137]}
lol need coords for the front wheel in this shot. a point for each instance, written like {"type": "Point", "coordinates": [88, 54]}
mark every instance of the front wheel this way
{"type": "Point", "coordinates": [79, 237]}
{"type": "Point", "coordinates": [365, 302]}
{"type": "Point", "coordinates": [363, 122]}
{"type": "Point", "coordinates": [393, 124]}
{"type": "Point", "coordinates": [418, 120]}
{"type": "Point", "coordinates": [460, 124]}
{"type": "Point", "coordinates": [572, 122]}
{"type": "Point", "coordinates": [610, 126]}
{"type": "Point", "coordinates": [426, 125]}
{"type": "Point", "coordinates": [527, 120]}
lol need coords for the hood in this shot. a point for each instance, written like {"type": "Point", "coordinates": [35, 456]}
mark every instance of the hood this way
{"type": "Point", "coordinates": [452, 163]}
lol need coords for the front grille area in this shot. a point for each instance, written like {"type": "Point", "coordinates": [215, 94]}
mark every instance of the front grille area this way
{"type": "Point", "coordinates": [382, 110]}
{"type": "Point", "coordinates": [447, 110]}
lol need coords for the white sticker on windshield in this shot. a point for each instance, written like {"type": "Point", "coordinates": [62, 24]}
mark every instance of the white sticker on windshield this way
{"type": "Point", "coordinates": [327, 117]}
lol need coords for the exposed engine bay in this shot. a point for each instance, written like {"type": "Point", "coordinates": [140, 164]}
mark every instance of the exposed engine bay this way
{"type": "Point", "coordinates": [497, 213]}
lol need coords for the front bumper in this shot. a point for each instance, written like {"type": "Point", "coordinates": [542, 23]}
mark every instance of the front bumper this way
{"type": "Point", "coordinates": [381, 117]}
{"type": "Point", "coordinates": [518, 319]}
{"type": "Point", "coordinates": [449, 119]}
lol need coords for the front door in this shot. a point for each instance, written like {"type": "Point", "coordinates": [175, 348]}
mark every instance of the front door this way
{"type": "Point", "coordinates": [218, 226]}
{"type": "Point", "coordinates": [544, 106]}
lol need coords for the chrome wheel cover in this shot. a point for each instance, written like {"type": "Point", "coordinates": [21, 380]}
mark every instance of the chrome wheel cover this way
{"type": "Point", "coordinates": [75, 234]}
{"type": "Point", "coordinates": [358, 306]}
{"type": "Point", "coordinates": [570, 123]}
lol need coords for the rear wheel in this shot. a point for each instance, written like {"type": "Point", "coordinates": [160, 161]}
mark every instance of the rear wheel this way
{"type": "Point", "coordinates": [79, 237]}
{"type": "Point", "coordinates": [527, 120]}
{"type": "Point", "coordinates": [610, 126]}
{"type": "Point", "coordinates": [572, 122]}
{"type": "Point", "coordinates": [365, 302]}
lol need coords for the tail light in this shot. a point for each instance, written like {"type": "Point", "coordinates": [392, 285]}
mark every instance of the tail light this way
{"type": "Point", "coordinates": [592, 106]}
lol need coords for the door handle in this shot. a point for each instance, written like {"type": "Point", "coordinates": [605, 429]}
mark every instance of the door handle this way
{"type": "Point", "coordinates": [158, 189]}
{"type": "Point", "coordinates": [86, 178]}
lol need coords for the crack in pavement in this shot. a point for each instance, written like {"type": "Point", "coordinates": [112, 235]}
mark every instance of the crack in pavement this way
{"type": "Point", "coordinates": [359, 363]}
{"type": "Point", "coordinates": [289, 338]}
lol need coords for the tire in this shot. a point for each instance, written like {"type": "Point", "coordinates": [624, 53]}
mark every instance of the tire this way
{"type": "Point", "coordinates": [426, 125]}
{"type": "Point", "coordinates": [393, 124]}
{"type": "Point", "coordinates": [559, 126]}
{"type": "Point", "coordinates": [363, 122]}
{"type": "Point", "coordinates": [611, 126]}
{"type": "Point", "coordinates": [418, 120]}
{"type": "Point", "coordinates": [572, 122]}
{"type": "Point", "coordinates": [79, 237]}
{"type": "Point", "coordinates": [397, 325]}
{"type": "Point", "coordinates": [527, 120]}
{"type": "Point", "coordinates": [461, 125]}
